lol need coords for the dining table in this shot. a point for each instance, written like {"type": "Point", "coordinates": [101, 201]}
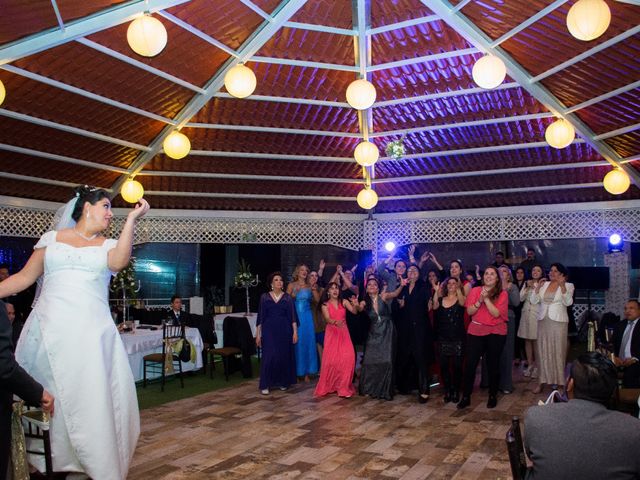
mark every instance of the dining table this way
{"type": "Point", "coordinates": [146, 339]}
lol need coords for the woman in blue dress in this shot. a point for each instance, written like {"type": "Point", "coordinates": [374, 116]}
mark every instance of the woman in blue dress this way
{"type": "Point", "coordinates": [276, 333]}
{"type": "Point", "coordinates": [306, 352]}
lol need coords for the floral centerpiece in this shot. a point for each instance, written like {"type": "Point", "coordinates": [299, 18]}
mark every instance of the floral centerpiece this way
{"type": "Point", "coordinates": [395, 149]}
{"type": "Point", "coordinates": [245, 279]}
{"type": "Point", "coordinates": [125, 281]}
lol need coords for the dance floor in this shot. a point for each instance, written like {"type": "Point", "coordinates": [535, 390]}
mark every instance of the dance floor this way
{"type": "Point", "coordinates": [237, 433]}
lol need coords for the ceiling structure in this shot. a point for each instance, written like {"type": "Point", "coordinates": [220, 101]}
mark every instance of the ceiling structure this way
{"type": "Point", "coordinates": [82, 107]}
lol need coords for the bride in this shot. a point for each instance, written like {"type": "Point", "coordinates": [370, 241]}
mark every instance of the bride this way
{"type": "Point", "coordinates": [70, 343]}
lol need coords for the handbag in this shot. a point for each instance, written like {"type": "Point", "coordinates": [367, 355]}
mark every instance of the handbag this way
{"type": "Point", "coordinates": [185, 351]}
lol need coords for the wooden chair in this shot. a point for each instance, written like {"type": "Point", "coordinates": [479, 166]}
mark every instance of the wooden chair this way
{"type": "Point", "coordinates": [155, 362]}
{"type": "Point", "coordinates": [36, 427]}
{"type": "Point", "coordinates": [234, 345]}
{"type": "Point", "coordinates": [515, 447]}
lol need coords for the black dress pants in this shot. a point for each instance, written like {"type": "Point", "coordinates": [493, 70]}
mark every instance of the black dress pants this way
{"type": "Point", "coordinates": [489, 346]}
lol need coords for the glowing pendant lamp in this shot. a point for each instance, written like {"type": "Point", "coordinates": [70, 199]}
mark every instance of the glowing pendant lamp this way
{"type": "Point", "coordinates": [489, 72]}
{"type": "Point", "coordinates": [560, 133]}
{"type": "Point", "coordinates": [176, 145]}
{"type": "Point", "coordinates": [367, 198]}
{"type": "Point", "coordinates": [366, 154]}
{"type": "Point", "coordinates": [616, 182]}
{"type": "Point", "coordinates": [147, 36]}
{"type": "Point", "coordinates": [132, 191]}
{"type": "Point", "coordinates": [240, 81]}
{"type": "Point", "coordinates": [3, 92]}
{"type": "Point", "coordinates": [588, 19]}
{"type": "Point", "coordinates": [361, 94]}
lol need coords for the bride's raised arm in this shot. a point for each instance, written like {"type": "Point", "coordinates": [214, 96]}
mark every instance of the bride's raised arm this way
{"type": "Point", "coordinates": [119, 256]}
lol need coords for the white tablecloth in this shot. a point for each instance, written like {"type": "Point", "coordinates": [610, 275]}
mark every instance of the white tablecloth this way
{"type": "Point", "coordinates": [218, 322]}
{"type": "Point", "coordinates": [143, 342]}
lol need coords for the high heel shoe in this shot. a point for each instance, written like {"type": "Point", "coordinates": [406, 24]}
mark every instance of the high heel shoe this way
{"type": "Point", "coordinates": [455, 396]}
{"type": "Point", "coordinates": [464, 403]}
{"type": "Point", "coordinates": [492, 402]}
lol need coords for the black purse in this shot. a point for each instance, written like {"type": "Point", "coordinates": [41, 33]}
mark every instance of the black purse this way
{"type": "Point", "coordinates": [185, 352]}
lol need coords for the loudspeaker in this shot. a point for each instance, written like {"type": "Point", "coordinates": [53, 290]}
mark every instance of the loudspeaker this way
{"type": "Point", "coordinates": [635, 255]}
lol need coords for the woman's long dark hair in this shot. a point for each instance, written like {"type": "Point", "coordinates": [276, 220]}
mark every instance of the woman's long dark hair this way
{"type": "Point", "coordinates": [367, 298]}
{"type": "Point", "coordinates": [85, 193]}
{"type": "Point", "coordinates": [324, 299]}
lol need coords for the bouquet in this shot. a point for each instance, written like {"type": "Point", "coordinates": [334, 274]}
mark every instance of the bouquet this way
{"type": "Point", "coordinates": [395, 149]}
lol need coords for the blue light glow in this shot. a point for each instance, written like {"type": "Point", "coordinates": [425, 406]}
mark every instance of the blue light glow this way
{"type": "Point", "coordinates": [390, 246]}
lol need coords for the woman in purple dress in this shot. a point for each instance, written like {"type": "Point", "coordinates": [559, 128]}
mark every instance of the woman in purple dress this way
{"type": "Point", "coordinates": [276, 334]}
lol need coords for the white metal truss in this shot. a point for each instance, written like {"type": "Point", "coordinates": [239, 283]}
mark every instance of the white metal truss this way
{"type": "Point", "coordinates": [478, 38]}
{"type": "Point", "coordinates": [67, 128]}
{"type": "Point", "coordinates": [264, 32]}
{"type": "Point", "coordinates": [424, 59]}
{"type": "Point", "coordinates": [528, 22]}
{"type": "Point", "coordinates": [405, 24]}
{"type": "Point", "coordinates": [104, 19]}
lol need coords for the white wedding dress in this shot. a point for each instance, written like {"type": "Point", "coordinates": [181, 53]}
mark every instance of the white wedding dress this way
{"type": "Point", "coordinates": [71, 345]}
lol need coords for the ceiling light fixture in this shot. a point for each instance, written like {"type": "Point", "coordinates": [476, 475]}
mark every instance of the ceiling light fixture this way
{"type": "Point", "coordinates": [366, 153]}
{"type": "Point", "coordinates": [367, 198]}
{"type": "Point", "coordinates": [176, 145]}
{"type": "Point", "coordinates": [3, 92]}
{"type": "Point", "coordinates": [132, 191]}
{"type": "Point", "coordinates": [489, 72]}
{"type": "Point", "coordinates": [361, 94]}
{"type": "Point", "coordinates": [588, 19]}
{"type": "Point", "coordinates": [147, 36]}
{"type": "Point", "coordinates": [240, 81]}
{"type": "Point", "coordinates": [616, 182]}
{"type": "Point", "coordinates": [560, 133]}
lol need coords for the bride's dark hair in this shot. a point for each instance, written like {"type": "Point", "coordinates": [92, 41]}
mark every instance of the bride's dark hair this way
{"type": "Point", "coordinates": [85, 193]}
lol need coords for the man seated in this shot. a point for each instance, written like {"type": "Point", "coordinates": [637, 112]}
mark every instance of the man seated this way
{"type": "Point", "coordinates": [176, 315]}
{"type": "Point", "coordinates": [581, 439]}
{"type": "Point", "coordinates": [626, 342]}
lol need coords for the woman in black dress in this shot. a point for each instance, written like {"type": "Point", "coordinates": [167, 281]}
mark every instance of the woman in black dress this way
{"type": "Point", "coordinates": [415, 338]}
{"type": "Point", "coordinates": [450, 334]}
{"type": "Point", "coordinates": [376, 376]}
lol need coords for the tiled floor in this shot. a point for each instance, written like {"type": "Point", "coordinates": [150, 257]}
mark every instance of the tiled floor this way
{"type": "Point", "coordinates": [238, 433]}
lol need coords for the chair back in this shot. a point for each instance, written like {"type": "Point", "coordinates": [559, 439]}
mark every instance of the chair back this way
{"type": "Point", "coordinates": [237, 333]}
{"type": "Point", "coordinates": [515, 447]}
{"type": "Point", "coordinates": [171, 334]}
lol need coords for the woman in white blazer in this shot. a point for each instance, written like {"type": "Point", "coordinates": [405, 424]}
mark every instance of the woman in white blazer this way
{"type": "Point", "coordinates": [552, 298]}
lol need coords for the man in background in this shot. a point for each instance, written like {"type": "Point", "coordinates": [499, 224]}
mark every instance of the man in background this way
{"type": "Point", "coordinates": [626, 345]}
{"type": "Point", "coordinates": [581, 439]}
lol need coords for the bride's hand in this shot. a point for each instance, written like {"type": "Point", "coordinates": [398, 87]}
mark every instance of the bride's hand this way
{"type": "Point", "coordinates": [141, 208]}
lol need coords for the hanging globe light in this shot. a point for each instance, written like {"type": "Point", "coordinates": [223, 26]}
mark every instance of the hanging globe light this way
{"type": "Point", "coordinates": [560, 133]}
{"type": "Point", "coordinates": [489, 72]}
{"type": "Point", "coordinates": [240, 81]}
{"type": "Point", "coordinates": [616, 182]}
{"type": "Point", "coordinates": [361, 94]}
{"type": "Point", "coordinates": [367, 198]}
{"type": "Point", "coordinates": [588, 19]}
{"type": "Point", "coordinates": [147, 36]}
{"type": "Point", "coordinates": [3, 92]}
{"type": "Point", "coordinates": [132, 191]}
{"type": "Point", "coordinates": [176, 145]}
{"type": "Point", "coordinates": [366, 154]}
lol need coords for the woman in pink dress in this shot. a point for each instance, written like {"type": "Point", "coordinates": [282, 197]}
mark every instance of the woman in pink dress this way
{"type": "Point", "coordinates": [338, 357]}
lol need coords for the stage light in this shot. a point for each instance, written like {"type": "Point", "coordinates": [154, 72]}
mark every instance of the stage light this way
{"type": "Point", "coordinates": [615, 243]}
{"type": "Point", "coordinates": [390, 246]}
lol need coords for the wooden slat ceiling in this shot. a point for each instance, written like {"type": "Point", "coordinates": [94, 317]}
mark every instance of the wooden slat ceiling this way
{"type": "Point", "coordinates": [86, 109]}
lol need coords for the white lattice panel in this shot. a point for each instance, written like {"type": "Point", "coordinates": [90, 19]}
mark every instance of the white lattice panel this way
{"type": "Point", "coordinates": [353, 234]}
{"type": "Point", "coordinates": [618, 292]}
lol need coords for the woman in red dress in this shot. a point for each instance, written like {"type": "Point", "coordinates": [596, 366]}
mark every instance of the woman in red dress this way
{"type": "Point", "coordinates": [338, 357]}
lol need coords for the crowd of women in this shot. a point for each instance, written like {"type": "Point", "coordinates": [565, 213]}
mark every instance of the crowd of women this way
{"type": "Point", "coordinates": [412, 321]}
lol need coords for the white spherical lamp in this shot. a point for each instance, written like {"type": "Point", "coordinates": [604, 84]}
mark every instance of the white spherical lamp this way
{"type": "Point", "coordinates": [3, 92]}
{"type": "Point", "coordinates": [366, 154]}
{"type": "Point", "coordinates": [176, 145]}
{"type": "Point", "coordinates": [147, 36]}
{"type": "Point", "coordinates": [560, 134]}
{"type": "Point", "coordinates": [361, 94]}
{"type": "Point", "coordinates": [367, 198]}
{"type": "Point", "coordinates": [489, 72]}
{"type": "Point", "coordinates": [588, 19]}
{"type": "Point", "coordinates": [616, 182]}
{"type": "Point", "coordinates": [240, 81]}
{"type": "Point", "coordinates": [132, 191]}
